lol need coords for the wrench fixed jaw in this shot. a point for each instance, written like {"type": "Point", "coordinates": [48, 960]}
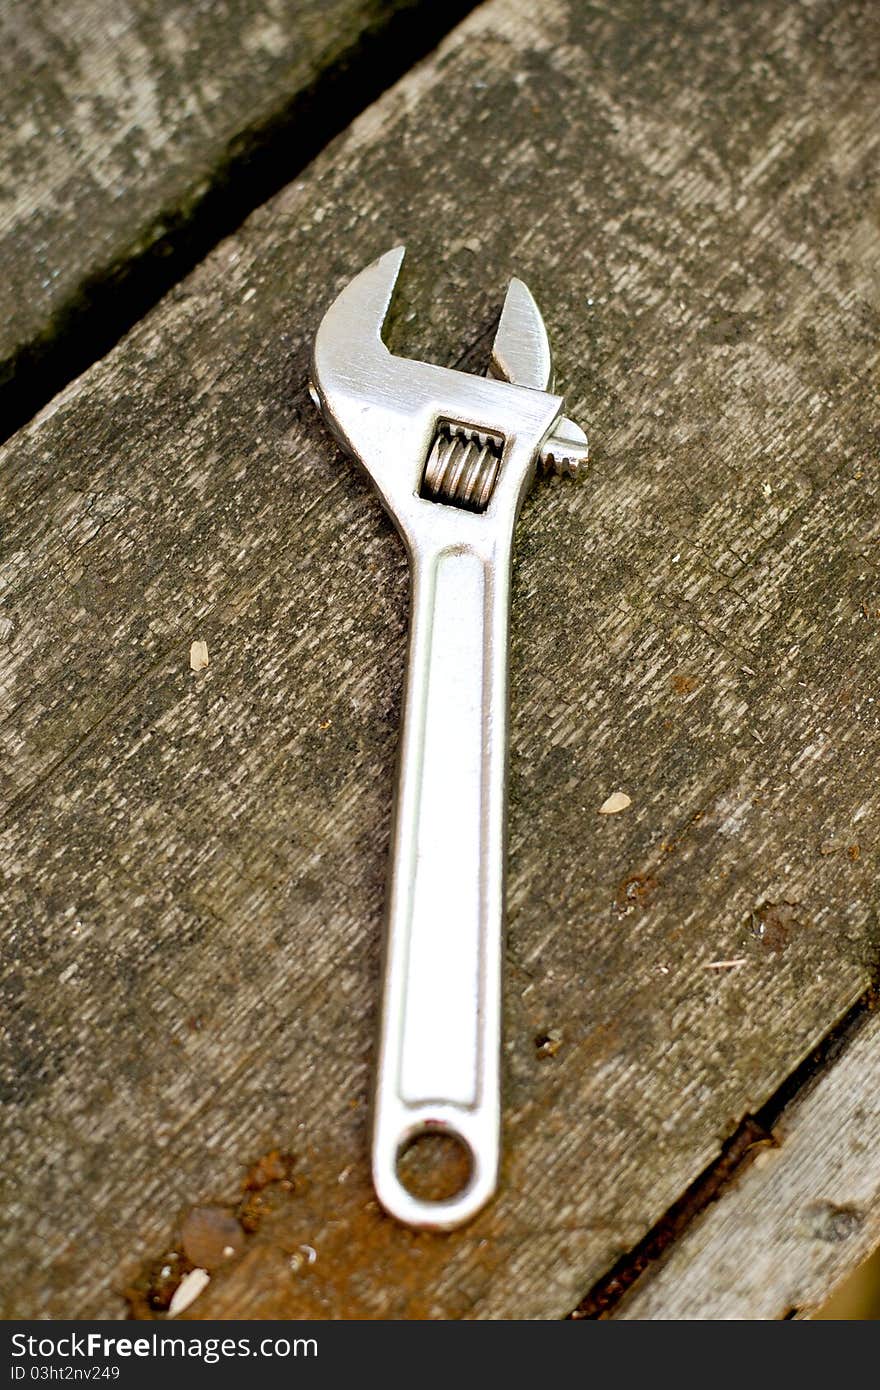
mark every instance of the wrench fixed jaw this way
{"type": "Point", "coordinates": [385, 410]}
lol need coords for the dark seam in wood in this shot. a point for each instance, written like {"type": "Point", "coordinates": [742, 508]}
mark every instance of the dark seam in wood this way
{"type": "Point", "coordinates": [753, 1132]}
{"type": "Point", "coordinates": [257, 163]}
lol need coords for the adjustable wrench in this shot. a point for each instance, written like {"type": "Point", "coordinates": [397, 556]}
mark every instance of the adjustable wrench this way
{"type": "Point", "coordinates": [452, 456]}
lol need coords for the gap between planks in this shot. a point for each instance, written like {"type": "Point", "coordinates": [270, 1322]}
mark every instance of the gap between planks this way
{"type": "Point", "coordinates": [753, 1133]}
{"type": "Point", "coordinates": [255, 165]}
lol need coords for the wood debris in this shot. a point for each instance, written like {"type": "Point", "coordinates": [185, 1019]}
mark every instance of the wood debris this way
{"type": "Point", "coordinates": [211, 1236]}
{"type": "Point", "coordinates": [188, 1290]}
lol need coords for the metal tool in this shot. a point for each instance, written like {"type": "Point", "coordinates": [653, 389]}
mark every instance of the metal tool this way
{"type": "Point", "coordinates": [452, 456]}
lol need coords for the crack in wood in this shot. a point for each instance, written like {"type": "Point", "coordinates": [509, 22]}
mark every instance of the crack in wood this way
{"type": "Point", "coordinates": [753, 1133]}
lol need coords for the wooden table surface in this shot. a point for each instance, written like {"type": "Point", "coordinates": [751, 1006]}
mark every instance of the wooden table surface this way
{"type": "Point", "coordinates": [191, 876]}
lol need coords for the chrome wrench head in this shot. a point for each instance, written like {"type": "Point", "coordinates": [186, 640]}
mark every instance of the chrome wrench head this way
{"type": "Point", "coordinates": [386, 410]}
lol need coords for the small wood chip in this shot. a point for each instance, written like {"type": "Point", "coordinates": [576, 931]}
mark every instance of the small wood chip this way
{"type": "Point", "coordinates": [831, 846]}
{"type": "Point", "coordinates": [198, 656]}
{"type": "Point", "coordinates": [617, 801]}
{"type": "Point", "coordinates": [188, 1290]}
{"type": "Point", "coordinates": [724, 964]}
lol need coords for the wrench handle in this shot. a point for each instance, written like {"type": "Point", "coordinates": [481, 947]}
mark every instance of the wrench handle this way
{"type": "Point", "coordinates": [439, 1048]}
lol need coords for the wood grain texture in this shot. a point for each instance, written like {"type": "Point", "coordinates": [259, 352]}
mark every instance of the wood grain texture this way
{"type": "Point", "coordinates": [118, 118]}
{"type": "Point", "coordinates": [802, 1216]}
{"type": "Point", "coordinates": [193, 861]}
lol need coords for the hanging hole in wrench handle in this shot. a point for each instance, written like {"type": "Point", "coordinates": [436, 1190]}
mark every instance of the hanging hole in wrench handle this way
{"type": "Point", "coordinates": [439, 1043]}
{"type": "Point", "coordinates": [439, 1191]}
{"type": "Point", "coordinates": [435, 1164]}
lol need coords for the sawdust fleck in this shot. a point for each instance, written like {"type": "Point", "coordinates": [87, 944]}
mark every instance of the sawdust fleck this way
{"type": "Point", "coordinates": [188, 1290]}
{"type": "Point", "coordinates": [548, 1044]}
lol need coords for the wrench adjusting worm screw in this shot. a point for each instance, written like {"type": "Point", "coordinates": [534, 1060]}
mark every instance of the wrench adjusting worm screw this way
{"type": "Point", "coordinates": [452, 456]}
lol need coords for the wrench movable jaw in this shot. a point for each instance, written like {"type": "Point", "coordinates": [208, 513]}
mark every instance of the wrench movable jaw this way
{"type": "Point", "coordinates": [385, 410]}
{"type": "Point", "coordinates": [521, 350]}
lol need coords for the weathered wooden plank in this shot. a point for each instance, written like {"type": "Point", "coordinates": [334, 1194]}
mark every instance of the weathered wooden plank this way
{"type": "Point", "coordinates": [123, 125]}
{"type": "Point", "coordinates": [800, 1218]}
{"type": "Point", "coordinates": [193, 862]}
